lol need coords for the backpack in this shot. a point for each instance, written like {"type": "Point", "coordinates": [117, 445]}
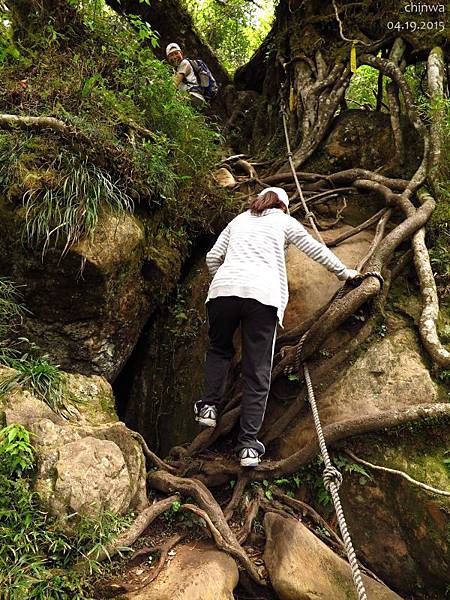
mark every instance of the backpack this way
{"type": "Point", "coordinates": [207, 84]}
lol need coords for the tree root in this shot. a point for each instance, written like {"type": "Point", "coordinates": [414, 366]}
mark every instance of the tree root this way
{"type": "Point", "coordinates": [152, 457]}
{"type": "Point", "coordinates": [238, 491]}
{"type": "Point", "coordinates": [347, 234]}
{"type": "Point", "coordinates": [224, 537]}
{"type": "Point", "coordinates": [38, 123]}
{"type": "Point", "coordinates": [164, 550]}
{"type": "Point", "coordinates": [250, 515]}
{"type": "Point", "coordinates": [344, 429]}
{"type": "Point", "coordinates": [424, 486]}
{"type": "Point", "coordinates": [128, 537]}
{"type": "Point", "coordinates": [430, 300]}
{"type": "Point", "coordinates": [317, 373]}
{"type": "Point", "coordinates": [305, 509]}
{"type": "Point", "coordinates": [379, 235]}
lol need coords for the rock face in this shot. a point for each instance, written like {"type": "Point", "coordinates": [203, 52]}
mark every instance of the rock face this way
{"type": "Point", "coordinates": [197, 572]}
{"type": "Point", "coordinates": [301, 567]}
{"type": "Point", "coordinates": [364, 139]}
{"type": "Point", "coordinates": [88, 308]}
{"type": "Point", "coordinates": [310, 284]}
{"type": "Point", "coordinates": [165, 373]}
{"type": "Point", "coordinates": [390, 374]}
{"type": "Point", "coordinates": [398, 529]}
{"type": "Point", "coordinates": [88, 464]}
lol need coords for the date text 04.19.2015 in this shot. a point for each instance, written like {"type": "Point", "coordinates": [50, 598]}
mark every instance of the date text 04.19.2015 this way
{"type": "Point", "coordinates": [416, 25]}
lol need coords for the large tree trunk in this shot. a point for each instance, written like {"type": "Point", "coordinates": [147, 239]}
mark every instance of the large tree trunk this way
{"type": "Point", "coordinates": [306, 61]}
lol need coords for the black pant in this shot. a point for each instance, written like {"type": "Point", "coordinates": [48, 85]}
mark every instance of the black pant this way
{"type": "Point", "coordinates": [258, 327]}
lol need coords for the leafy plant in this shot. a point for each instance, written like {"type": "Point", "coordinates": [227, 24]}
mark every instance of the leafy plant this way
{"type": "Point", "coordinates": [12, 309]}
{"type": "Point", "coordinates": [444, 376]}
{"type": "Point", "coordinates": [267, 491]}
{"type": "Point", "coordinates": [360, 91]}
{"type": "Point", "coordinates": [16, 450]}
{"type": "Point", "coordinates": [68, 208]}
{"type": "Point", "coordinates": [43, 378]}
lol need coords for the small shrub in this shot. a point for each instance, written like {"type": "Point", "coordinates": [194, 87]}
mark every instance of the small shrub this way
{"type": "Point", "coordinates": [39, 375]}
{"type": "Point", "coordinates": [16, 450]}
{"type": "Point", "coordinates": [11, 308]}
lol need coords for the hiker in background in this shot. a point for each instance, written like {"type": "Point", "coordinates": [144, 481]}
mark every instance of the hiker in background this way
{"type": "Point", "coordinates": [250, 289]}
{"type": "Point", "coordinates": [192, 75]}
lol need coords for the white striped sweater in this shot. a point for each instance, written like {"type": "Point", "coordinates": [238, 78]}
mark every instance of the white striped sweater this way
{"type": "Point", "coordinates": [248, 258]}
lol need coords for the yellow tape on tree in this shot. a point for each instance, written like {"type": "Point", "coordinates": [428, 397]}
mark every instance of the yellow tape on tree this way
{"type": "Point", "coordinates": [353, 58]}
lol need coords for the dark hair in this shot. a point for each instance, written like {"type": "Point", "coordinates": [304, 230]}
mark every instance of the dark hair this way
{"type": "Point", "coordinates": [269, 200]}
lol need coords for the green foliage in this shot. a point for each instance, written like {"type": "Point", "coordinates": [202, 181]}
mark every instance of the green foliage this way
{"type": "Point", "coordinates": [134, 136]}
{"type": "Point", "coordinates": [186, 519]}
{"type": "Point", "coordinates": [293, 377]}
{"type": "Point", "coordinates": [12, 309]}
{"type": "Point", "coordinates": [187, 322]}
{"type": "Point", "coordinates": [362, 89]}
{"type": "Point", "coordinates": [311, 476]}
{"type": "Point", "coordinates": [444, 376]}
{"type": "Point", "coordinates": [267, 491]}
{"type": "Point", "coordinates": [446, 461]}
{"type": "Point", "coordinates": [234, 29]}
{"type": "Point", "coordinates": [35, 372]}
{"type": "Point", "coordinates": [16, 450]}
{"type": "Point", "coordinates": [69, 207]}
{"type": "Point", "coordinates": [35, 552]}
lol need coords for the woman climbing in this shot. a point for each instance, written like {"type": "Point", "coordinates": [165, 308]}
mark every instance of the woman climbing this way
{"type": "Point", "coordinates": [249, 288]}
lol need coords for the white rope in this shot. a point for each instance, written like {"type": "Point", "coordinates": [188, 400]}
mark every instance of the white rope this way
{"type": "Point", "coordinates": [332, 479]}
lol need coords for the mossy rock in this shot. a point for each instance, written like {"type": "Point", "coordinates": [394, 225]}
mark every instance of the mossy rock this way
{"type": "Point", "coordinates": [399, 530]}
{"type": "Point", "coordinates": [87, 463]}
{"type": "Point", "coordinates": [88, 307]}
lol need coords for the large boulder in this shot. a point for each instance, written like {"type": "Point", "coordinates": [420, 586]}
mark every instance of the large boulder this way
{"type": "Point", "coordinates": [391, 373]}
{"type": "Point", "coordinates": [87, 464]}
{"type": "Point", "coordinates": [302, 567]}
{"type": "Point", "coordinates": [88, 307]}
{"type": "Point", "coordinates": [311, 285]}
{"type": "Point", "coordinates": [197, 571]}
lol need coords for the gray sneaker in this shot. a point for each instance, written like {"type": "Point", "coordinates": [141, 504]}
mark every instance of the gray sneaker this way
{"type": "Point", "coordinates": [206, 415]}
{"type": "Point", "coordinates": [249, 457]}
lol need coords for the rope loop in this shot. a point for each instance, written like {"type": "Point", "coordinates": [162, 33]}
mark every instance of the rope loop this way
{"type": "Point", "coordinates": [331, 475]}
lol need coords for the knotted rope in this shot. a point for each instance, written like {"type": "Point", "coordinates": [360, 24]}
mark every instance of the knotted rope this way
{"type": "Point", "coordinates": [332, 477]}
